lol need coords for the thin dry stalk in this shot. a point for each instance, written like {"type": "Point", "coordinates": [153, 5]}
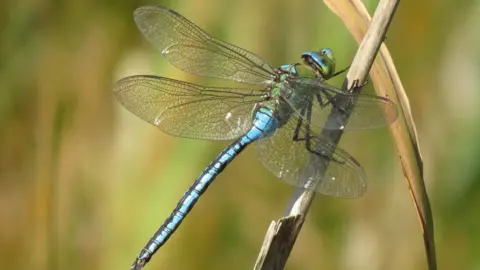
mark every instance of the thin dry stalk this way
{"type": "Point", "coordinates": [387, 83]}
{"type": "Point", "coordinates": [281, 235]}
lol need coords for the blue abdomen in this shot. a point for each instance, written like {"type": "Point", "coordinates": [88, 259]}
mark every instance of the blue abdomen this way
{"type": "Point", "coordinates": [264, 123]}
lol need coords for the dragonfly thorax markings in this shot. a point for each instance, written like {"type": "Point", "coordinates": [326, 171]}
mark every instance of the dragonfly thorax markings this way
{"type": "Point", "coordinates": [283, 74]}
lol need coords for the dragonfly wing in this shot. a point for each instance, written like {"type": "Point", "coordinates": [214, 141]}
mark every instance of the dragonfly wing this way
{"type": "Point", "coordinates": [189, 110]}
{"type": "Point", "coordinates": [319, 166]}
{"type": "Point", "coordinates": [369, 112]}
{"type": "Point", "coordinates": [191, 49]}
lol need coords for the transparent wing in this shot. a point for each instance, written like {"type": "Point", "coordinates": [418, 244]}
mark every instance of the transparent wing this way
{"type": "Point", "coordinates": [313, 164]}
{"type": "Point", "coordinates": [189, 110]}
{"type": "Point", "coordinates": [191, 49]}
{"type": "Point", "coordinates": [369, 112]}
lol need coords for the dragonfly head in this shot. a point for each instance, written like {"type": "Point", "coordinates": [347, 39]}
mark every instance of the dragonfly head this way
{"type": "Point", "coordinates": [322, 62]}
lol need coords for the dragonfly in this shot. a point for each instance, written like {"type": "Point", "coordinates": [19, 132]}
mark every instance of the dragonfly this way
{"type": "Point", "coordinates": [282, 110]}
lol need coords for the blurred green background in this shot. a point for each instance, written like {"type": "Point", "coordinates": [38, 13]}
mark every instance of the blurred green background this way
{"type": "Point", "coordinates": [84, 183]}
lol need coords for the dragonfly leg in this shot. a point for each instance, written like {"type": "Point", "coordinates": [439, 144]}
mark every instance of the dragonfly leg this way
{"type": "Point", "coordinates": [324, 152]}
{"type": "Point", "coordinates": [356, 84]}
{"type": "Point", "coordinates": [331, 100]}
{"type": "Point", "coordinates": [296, 136]}
{"type": "Point", "coordinates": [307, 136]}
{"type": "Point", "coordinates": [340, 72]}
{"type": "Point", "coordinates": [307, 113]}
{"type": "Point", "coordinates": [321, 101]}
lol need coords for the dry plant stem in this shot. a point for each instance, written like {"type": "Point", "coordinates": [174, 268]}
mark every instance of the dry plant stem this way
{"type": "Point", "coordinates": [387, 83]}
{"type": "Point", "coordinates": [279, 242]}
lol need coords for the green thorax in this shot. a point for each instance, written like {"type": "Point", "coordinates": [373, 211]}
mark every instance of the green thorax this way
{"type": "Point", "coordinates": [316, 64]}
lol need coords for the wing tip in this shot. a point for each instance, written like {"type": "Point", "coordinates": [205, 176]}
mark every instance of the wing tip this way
{"type": "Point", "coordinates": [140, 11]}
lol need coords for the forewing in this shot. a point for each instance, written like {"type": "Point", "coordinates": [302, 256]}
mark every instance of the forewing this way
{"type": "Point", "coordinates": [369, 111]}
{"type": "Point", "coordinates": [191, 49]}
{"type": "Point", "coordinates": [189, 110]}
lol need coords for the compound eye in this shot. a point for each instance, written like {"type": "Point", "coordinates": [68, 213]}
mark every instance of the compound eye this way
{"type": "Point", "coordinates": [327, 52]}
